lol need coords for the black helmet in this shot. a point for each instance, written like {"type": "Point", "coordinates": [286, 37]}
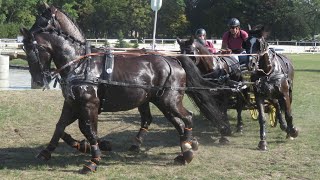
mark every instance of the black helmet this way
{"type": "Point", "coordinates": [200, 32]}
{"type": "Point", "coordinates": [233, 22]}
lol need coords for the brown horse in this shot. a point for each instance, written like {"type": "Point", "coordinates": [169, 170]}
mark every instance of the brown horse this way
{"type": "Point", "coordinates": [92, 81]}
{"type": "Point", "coordinates": [224, 70]}
{"type": "Point", "coordinates": [273, 77]}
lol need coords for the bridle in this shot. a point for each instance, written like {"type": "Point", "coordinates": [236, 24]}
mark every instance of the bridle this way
{"type": "Point", "coordinates": [261, 51]}
{"type": "Point", "coordinates": [51, 26]}
{"type": "Point", "coordinates": [35, 49]}
{"type": "Point", "coordinates": [191, 50]}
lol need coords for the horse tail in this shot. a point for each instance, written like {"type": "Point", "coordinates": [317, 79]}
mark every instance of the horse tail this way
{"type": "Point", "coordinates": [203, 98]}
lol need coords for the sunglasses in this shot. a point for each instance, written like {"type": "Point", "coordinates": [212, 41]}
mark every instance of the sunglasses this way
{"type": "Point", "coordinates": [233, 27]}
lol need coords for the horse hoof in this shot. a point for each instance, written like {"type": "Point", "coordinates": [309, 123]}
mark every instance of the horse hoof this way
{"type": "Point", "coordinates": [179, 160]}
{"type": "Point", "coordinates": [188, 156]}
{"type": "Point", "coordinates": [262, 145]}
{"type": "Point", "coordinates": [239, 129]}
{"type": "Point", "coordinates": [226, 131]}
{"type": "Point", "coordinates": [135, 148]}
{"type": "Point", "coordinates": [294, 132]}
{"type": "Point", "coordinates": [44, 155]}
{"type": "Point", "coordinates": [105, 145]}
{"type": "Point", "coordinates": [88, 168]}
{"type": "Point", "coordinates": [195, 144]}
{"type": "Point", "coordinates": [289, 137]}
{"type": "Point", "coordinates": [224, 140]}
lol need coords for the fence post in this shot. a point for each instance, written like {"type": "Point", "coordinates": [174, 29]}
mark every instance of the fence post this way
{"type": "Point", "coordinates": [4, 71]}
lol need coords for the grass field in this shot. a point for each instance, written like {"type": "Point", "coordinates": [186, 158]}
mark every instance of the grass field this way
{"type": "Point", "coordinates": [28, 118]}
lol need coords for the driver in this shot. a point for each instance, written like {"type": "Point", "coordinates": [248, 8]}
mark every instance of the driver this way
{"type": "Point", "coordinates": [232, 39]}
{"type": "Point", "coordinates": [201, 38]}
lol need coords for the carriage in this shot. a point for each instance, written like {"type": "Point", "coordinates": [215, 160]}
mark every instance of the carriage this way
{"type": "Point", "coordinates": [234, 77]}
{"type": "Point", "coordinates": [249, 100]}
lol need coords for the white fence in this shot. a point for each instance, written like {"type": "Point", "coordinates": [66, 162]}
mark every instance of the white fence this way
{"type": "Point", "coordinates": [8, 46]}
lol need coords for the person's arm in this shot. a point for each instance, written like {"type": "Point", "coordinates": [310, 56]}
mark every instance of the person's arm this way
{"type": "Point", "coordinates": [211, 47]}
{"type": "Point", "coordinates": [225, 41]}
{"type": "Point", "coordinates": [224, 45]}
{"type": "Point", "coordinates": [244, 35]}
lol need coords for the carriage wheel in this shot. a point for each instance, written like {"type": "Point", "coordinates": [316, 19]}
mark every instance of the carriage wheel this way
{"type": "Point", "coordinates": [272, 116]}
{"type": "Point", "coordinates": [254, 113]}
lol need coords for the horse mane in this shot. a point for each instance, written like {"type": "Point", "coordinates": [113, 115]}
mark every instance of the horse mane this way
{"type": "Point", "coordinates": [52, 8]}
{"type": "Point", "coordinates": [67, 24]}
{"type": "Point", "coordinates": [202, 49]}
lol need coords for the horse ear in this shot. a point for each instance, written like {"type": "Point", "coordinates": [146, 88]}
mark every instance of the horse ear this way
{"type": "Point", "coordinates": [46, 5]}
{"type": "Point", "coordinates": [25, 33]}
{"type": "Point", "coordinates": [265, 34]}
{"type": "Point", "coordinates": [178, 40]}
{"type": "Point", "coordinates": [192, 38]}
{"type": "Point", "coordinates": [266, 31]}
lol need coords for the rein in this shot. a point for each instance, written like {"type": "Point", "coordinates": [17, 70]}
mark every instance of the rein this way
{"type": "Point", "coordinates": [74, 61]}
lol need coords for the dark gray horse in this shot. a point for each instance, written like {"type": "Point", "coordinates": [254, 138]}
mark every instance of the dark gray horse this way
{"type": "Point", "coordinates": [274, 82]}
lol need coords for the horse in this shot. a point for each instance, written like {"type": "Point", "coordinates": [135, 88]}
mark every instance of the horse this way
{"type": "Point", "coordinates": [273, 77]}
{"type": "Point", "coordinates": [52, 16]}
{"type": "Point", "coordinates": [93, 80]}
{"type": "Point", "coordinates": [222, 69]}
{"type": "Point", "coordinates": [60, 20]}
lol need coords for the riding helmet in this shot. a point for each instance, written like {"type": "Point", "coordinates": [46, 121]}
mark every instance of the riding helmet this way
{"type": "Point", "coordinates": [200, 32]}
{"type": "Point", "coordinates": [233, 22]}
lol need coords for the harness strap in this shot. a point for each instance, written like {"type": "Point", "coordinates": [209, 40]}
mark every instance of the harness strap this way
{"type": "Point", "coordinates": [76, 60]}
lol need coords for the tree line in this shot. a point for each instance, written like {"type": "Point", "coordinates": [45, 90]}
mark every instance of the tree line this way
{"type": "Point", "coordinates": [286, 19]}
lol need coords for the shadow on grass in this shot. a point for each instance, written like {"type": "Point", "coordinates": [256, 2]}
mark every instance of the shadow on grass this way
{"type": "Point", "coordinates": [308, 70]}
{"type": "Point", "coordinates": [161, 146]}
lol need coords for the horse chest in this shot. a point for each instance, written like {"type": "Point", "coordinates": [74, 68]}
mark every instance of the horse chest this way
{"type": "Point", "coordinates": [270, 86]}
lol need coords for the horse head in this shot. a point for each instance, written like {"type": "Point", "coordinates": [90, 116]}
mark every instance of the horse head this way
{"type": "Point", "coordinates": [202, 57]}
{"type": "Point", "coordinates": [257, 44]}
{"type": "Point", "coordinates": [38, 50]}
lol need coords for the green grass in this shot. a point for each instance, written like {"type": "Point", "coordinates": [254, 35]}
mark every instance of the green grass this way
{"type": "Point", "coordinates": [28, 118]}
{"type": "Point", "coordinates": [19, 62]}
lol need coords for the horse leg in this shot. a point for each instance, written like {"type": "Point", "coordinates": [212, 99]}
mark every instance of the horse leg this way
{"type": "Point", "coordinates": [291, 130]}
{"type": "Point", "coordinates": [181, 118]}
{"type": "Point", "coordinates": [225, 130]}
{"type": "Point", "coordinates": [84, 146]}
{"type": "Point", "coordinates": [262, 122]}
{"type": "Point", "coordinates": [239, 120]}
{"type": "Point", "coordinates": [146, 120]}
{"type": "Point", "coordinates": [242, 98]}
{"type": "Point", "coordinates": [276, 105]}
{"type": "Point", "coordinates": [88, 107]}
{"type": "Point", "coordinates": [66, 118]}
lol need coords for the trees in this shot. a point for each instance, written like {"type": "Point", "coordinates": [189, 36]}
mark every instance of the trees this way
{"type": "Point", "coordinates": [14, 14]}
{"type": "Point", "coordinates": [287, 19]}
{"type": "Point", "coordinates": [172, 20]}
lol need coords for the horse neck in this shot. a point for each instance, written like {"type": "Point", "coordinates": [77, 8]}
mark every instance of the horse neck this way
{"type": "Point", "coordinates": [63, 50]}
{"type": "Point", "coordinates": [68, 26]}
{"type": "Point", "coordinates": [206, 63]}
